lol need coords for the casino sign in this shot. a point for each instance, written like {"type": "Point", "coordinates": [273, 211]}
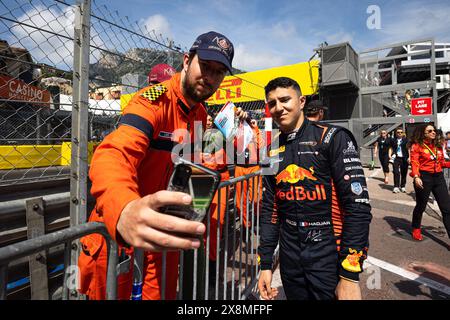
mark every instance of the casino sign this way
{"type": "Point", "coordinates": [17, 90]}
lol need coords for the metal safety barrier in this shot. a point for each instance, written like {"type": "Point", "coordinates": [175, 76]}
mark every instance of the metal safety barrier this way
{"type": "Point", "coordinates": [234, 237]}
{"type": "Point", "coordinates": [226, 266]}
{"type": "Point", "coordinates": [66, 236]}
{"type": "Point", "coordinates": [236, 266]}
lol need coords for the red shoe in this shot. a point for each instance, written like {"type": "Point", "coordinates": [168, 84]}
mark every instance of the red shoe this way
{"type": "Point", "coordinates": [417, 234]}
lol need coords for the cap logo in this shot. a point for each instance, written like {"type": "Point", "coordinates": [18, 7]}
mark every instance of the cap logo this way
{"type": "Point", "coordinates": [169, 72]}
{"type": "Point", "coordinates": [222, 42]}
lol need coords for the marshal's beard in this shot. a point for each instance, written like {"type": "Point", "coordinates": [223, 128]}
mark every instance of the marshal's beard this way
{"type": "Point", "coordinates": [191, 92]}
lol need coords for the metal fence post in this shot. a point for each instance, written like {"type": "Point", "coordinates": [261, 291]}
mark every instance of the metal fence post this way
{"type": "Point", "coordinates": [67, 254]}
{"type": "Point", "coordinates": [37, 262]}
{"type": "Point", "coordinates": [433, 79]}
{"type": "Point", "coordinates": [187, 270]}
{"type": "Point", "coordinates": [225, 259]}
{"type": "Point", "coordinates": [79, 145]}
{"type": "Point", "coordinates": [208, 224]}
{"type": "Point", "coordinates": [259, 199]}
{"type": "Point", "coordinates": [218, 244]}
{"type": "Point", "coordinates": [3, 281]}
{"type": "Point", "coordinates": [240, 239]}
{"type": "Point", "coordinates": [111, 276]}
{"type": "Point", "coordinates": [233, 259]}
{"type": "Point", "coordinates": [202, 261]}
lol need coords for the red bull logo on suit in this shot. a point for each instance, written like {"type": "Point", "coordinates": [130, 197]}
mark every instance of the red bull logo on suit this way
{"type": "Point", "coordinates": [294, 173]}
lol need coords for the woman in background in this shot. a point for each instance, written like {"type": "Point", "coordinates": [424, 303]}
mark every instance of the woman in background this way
{"type": "Point", "coordinates": [427, 161]}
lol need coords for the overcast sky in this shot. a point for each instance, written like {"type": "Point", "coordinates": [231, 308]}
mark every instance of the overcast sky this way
{"type": "Point", "coordinates": [275, 33]}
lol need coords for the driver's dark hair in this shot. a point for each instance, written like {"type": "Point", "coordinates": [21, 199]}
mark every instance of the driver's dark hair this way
{"type": "Point", "coordinates": [282, 82]}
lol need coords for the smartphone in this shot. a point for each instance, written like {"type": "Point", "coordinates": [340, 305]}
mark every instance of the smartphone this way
{"type": "Point", "coordinates": [199, 182]}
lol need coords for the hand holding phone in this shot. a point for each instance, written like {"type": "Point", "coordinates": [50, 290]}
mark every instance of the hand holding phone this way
{"type": "Point", "coordinates": [142, 225]}
{"type": "Point", "coordinates": [180, 182]}
{"type": "Point", "coordinates": [199, 182]}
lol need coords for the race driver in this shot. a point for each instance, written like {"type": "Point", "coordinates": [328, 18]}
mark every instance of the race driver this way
{"type": "Point", "coordinates": [321, 250]}
{"type": "Point", "coordinates": [132, 166]}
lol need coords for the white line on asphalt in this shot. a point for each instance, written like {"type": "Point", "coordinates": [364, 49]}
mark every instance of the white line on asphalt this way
{"type": "Point", "coordinates": [410, 203]}
{"type": "Point", "coordinates": [409, 275]}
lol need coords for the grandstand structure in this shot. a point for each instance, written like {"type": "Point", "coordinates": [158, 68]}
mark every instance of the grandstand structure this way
{"type": "Point", "coordinates": [379, 89]}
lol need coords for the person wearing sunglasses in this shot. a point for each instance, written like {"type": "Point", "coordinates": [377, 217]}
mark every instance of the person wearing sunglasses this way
{"type": "Point", "coordinates": [427, 161]}
{"type": "Point", "coordinates": [399, 160]}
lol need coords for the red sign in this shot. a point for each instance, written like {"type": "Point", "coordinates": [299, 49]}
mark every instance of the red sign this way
{"type": "Point", "coordinates": [421, 106]}
{"type": "Point", "coordinates": [16, 89]}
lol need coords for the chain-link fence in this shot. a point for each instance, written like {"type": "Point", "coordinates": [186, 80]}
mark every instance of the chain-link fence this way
{"type": "Point", "coordinates": [121, 55]}
{"type": "Point", "coordinates": [36, 57]}
{"type": "Point", "coordinates": [245, 93]}
{"type": "Point", "coordinates": [36, 81]}
{"type": "Point", "coordinates": [67, 70]}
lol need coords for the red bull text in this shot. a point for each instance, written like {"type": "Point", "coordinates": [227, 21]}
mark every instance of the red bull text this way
{"type": "Point", "coordinates": [300, 194]}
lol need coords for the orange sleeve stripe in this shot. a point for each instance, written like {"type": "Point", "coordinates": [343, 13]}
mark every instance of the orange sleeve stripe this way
{"type": "Point", "coordinates": [323, 132]}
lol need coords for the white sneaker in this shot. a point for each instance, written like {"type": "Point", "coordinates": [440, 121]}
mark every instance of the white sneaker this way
{"type": "Point", "coordinates": [404, 190]}
{"type": "Point", "coordinates": [396, 190]}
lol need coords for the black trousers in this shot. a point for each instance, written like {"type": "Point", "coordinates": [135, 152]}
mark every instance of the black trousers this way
{"type": "Point", "coordinates": [308, 262]}
{"type": "Point", "coordinates": [432, 182]}
{"type": "Point", "coordinates": [384, 161]}
{"type": "Point", "coordinates": [400, 170]}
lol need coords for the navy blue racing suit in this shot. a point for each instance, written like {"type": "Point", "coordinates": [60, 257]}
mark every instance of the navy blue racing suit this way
{"type": "Point", "coordinates": [316, 206]}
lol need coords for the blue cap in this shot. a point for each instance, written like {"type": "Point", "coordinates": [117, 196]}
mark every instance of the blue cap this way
{"type": "Point", "coordinates": [214, 46]}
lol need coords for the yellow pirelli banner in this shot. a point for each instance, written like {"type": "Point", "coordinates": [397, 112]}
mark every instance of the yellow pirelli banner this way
{"type": "Point", "coordinates": [249, 86]}
{"type": "Point", "coordinates": [246, 87]}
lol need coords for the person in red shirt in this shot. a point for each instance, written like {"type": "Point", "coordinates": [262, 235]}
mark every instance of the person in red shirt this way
{"type": "Point", "coordinates": [427, 161]}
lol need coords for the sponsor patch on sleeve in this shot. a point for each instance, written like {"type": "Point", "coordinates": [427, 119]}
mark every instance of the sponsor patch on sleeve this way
{"type": "Point", "coordinates": [328, 137]}
{"type": "Point", "coordinates": [356, 188]}
{"type": "Point", "coordinates": [274, 152]}
{"type": "Point", "coordinates": [351, 149]}
{"type": "Point", "coordinates": [154, 92]}
{"type": "Point", "coordinates": [351, 262]}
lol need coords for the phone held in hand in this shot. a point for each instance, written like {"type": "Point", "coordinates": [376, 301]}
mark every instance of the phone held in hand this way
{"type": "Point", "coordinates": [199, 182]}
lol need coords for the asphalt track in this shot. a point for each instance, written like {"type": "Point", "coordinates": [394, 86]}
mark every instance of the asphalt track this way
{"type": "Point", "coordinates": [399, 268]}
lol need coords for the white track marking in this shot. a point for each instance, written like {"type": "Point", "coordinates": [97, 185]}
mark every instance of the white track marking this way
{"type": "Point", "coordinates": [409, 275]}
{"type": "Point", "coordinates": [410, 203]}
